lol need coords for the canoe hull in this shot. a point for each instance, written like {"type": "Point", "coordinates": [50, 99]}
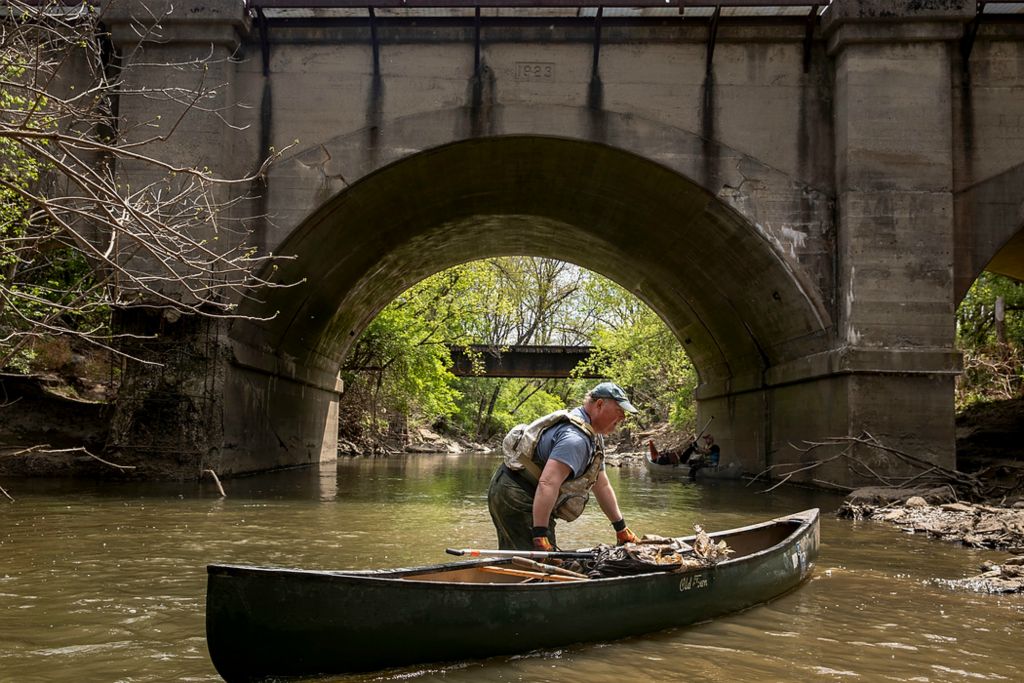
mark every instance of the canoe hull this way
{"type": "Point", "coordinates": [273, 622]}
{"type": "Point", "coordinates": [667, 470]}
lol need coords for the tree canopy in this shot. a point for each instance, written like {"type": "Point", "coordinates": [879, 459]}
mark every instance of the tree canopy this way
{"type": "Point", "coordinates": [401, 363]}
{"type": "Point", "coordinates": [993, 349]}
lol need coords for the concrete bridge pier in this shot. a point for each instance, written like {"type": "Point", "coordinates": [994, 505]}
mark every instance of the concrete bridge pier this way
{"type": "Point", "coordinates": [280, 414]}
{"type": "Point", "coordinates": [208, 403]}
{"type": "Point", "coordinates": [892, 369]}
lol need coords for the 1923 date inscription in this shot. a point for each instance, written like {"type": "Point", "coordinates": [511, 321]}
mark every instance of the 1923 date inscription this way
{"type": "Point", "coordinates": [535, 71]}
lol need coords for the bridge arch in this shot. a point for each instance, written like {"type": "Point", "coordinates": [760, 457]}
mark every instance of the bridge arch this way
{"type": "Point", "coordinates": [990, 229]}
{"type": "Point", "coordinates": [780, 201]}
{"type": "Point", "coordinates": [722, 285]}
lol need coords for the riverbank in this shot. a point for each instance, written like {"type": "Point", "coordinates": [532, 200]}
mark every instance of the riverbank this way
{"type": "Point", "coordinates": [982, 507]}
{"type": "Point", "coordinates": [999, 528]}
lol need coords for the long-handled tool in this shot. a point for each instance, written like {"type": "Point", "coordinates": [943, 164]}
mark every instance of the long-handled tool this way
{"type": "Point", "coordinates": [530, 554]}
{"type": "Point", "coordinates": [527, 574]}
{"type": "Point", "coordinates": [703, 429]}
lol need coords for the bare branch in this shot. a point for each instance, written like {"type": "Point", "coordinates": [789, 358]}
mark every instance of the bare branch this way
{"type": "Point", "coordinates": [216, 480]}
{"type": "Point", "coordinates": [70, 190]}
{"type": "Point", "coordinates": [931, 475]}
{"type": "Point", "coordinates": [91, 455]}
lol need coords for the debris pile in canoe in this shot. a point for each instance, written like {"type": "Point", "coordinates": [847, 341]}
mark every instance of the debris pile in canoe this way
{"type": "Point", "coordinates": [655, 553]}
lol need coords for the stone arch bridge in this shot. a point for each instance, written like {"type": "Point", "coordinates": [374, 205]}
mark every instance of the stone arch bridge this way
{"type": "Point", "coordinates": [803, 196]}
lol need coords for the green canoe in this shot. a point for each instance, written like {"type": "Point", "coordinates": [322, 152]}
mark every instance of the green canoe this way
{"type": "Point", "coordinates": [271, 623]}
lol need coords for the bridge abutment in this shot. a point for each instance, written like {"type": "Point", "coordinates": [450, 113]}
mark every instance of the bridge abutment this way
{"type": "Point", "coordinates": [197, 404]}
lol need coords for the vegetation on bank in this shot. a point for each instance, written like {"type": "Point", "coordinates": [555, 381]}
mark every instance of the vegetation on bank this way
{"type": "Point", "coordinates": [96, 224]}
{"type": "Point", "coordinates": [398, 377]}
{"type": "Point", "coordinates": [990, 332]}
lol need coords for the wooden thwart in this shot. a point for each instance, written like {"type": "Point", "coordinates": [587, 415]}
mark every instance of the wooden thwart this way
{"type": "Point", "coordinates": [526, 574]}
{"type": "Point", "coordinates": [525, 563]}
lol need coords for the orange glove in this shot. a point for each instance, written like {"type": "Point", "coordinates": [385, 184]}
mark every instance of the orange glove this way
{"type": "Point", "coordinates": [625, 536]}
{"type": "Point", "coordinates": [540, 539]}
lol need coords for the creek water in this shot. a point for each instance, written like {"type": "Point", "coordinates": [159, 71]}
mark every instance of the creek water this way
{"type": "Point", "coordinates": [106, 582]}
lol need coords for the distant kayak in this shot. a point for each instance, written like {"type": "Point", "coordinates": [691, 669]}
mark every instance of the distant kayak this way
{"type": "Point", "coordinates": [264, 623]}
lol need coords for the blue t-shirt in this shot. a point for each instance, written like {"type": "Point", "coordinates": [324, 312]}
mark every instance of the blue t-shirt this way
{"type": "Point", "coordinates": [567, 444]}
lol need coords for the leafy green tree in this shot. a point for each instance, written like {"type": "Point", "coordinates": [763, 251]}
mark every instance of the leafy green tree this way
{"type": "Point", "coordinates": [992, 356]}
{"type": "Point", "coordinates": [538, 297]}
{"type": "Point", "coordinates": [402, 358]}
{"type": "Point", "coordinates": [491, 406]}
{"type": "Point", "coordinates": [21, 279]}
{"type": "Point", "coordinates": [399, 365]}
{"type": "Point", "coordinates": [635, 347]}
{"type": "Point", "coordinates": [975, 316]}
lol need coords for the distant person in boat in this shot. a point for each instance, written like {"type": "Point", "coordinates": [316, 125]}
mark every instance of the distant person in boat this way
{"type": "Point", "coordinates": [667, 456]}
{"type": "Point", "coordinates": [554, 475]}
{"type": "Point", "coordinates": [696, 455]}
{"type": "Point", "coordinates": [705, 456]}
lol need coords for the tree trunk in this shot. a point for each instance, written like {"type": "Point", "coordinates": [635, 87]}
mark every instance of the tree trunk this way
{"type": "Point", "coordinates": [483, 430]}
{"type": "Point", "coordinates": [1000, 316]}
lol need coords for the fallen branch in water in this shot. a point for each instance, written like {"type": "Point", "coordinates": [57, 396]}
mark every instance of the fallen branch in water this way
{"type": "Point", "coordinates": [789, 475]}
{"type": "Point", "coordinates": [216, 480]}
{"type": "Point", "coordinates": [91, 455]}
{"type": "Point", "coordinates": [44, 449]}
{"type": "Point", "coordinates": [962, 484]}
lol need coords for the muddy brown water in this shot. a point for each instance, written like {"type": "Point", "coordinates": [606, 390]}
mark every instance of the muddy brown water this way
{"type": "Point", "coordinates": [106, 582]}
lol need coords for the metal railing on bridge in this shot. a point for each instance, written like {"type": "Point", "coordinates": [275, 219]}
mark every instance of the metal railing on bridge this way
{"type": "Point", "coordinates": [554, 12]}
{"type": "Point", "coordinates": [551, 12]}
{"type": "Point", "coordinates": [531, 4]}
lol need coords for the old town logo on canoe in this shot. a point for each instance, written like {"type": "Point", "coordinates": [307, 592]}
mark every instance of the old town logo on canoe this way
{"type": "Point", "coordinates": [693, 581]}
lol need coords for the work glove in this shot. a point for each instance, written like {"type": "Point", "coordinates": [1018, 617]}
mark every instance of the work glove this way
{"type": "Point", "coordinates": [625, 536]}
{"type": "Point", "coordinates": [622, 533]}
{"type": "Point", "coordinates": [540, 539]}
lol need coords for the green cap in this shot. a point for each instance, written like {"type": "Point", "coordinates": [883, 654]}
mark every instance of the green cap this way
{"type": "Point", "coordinates": [614, 392]}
